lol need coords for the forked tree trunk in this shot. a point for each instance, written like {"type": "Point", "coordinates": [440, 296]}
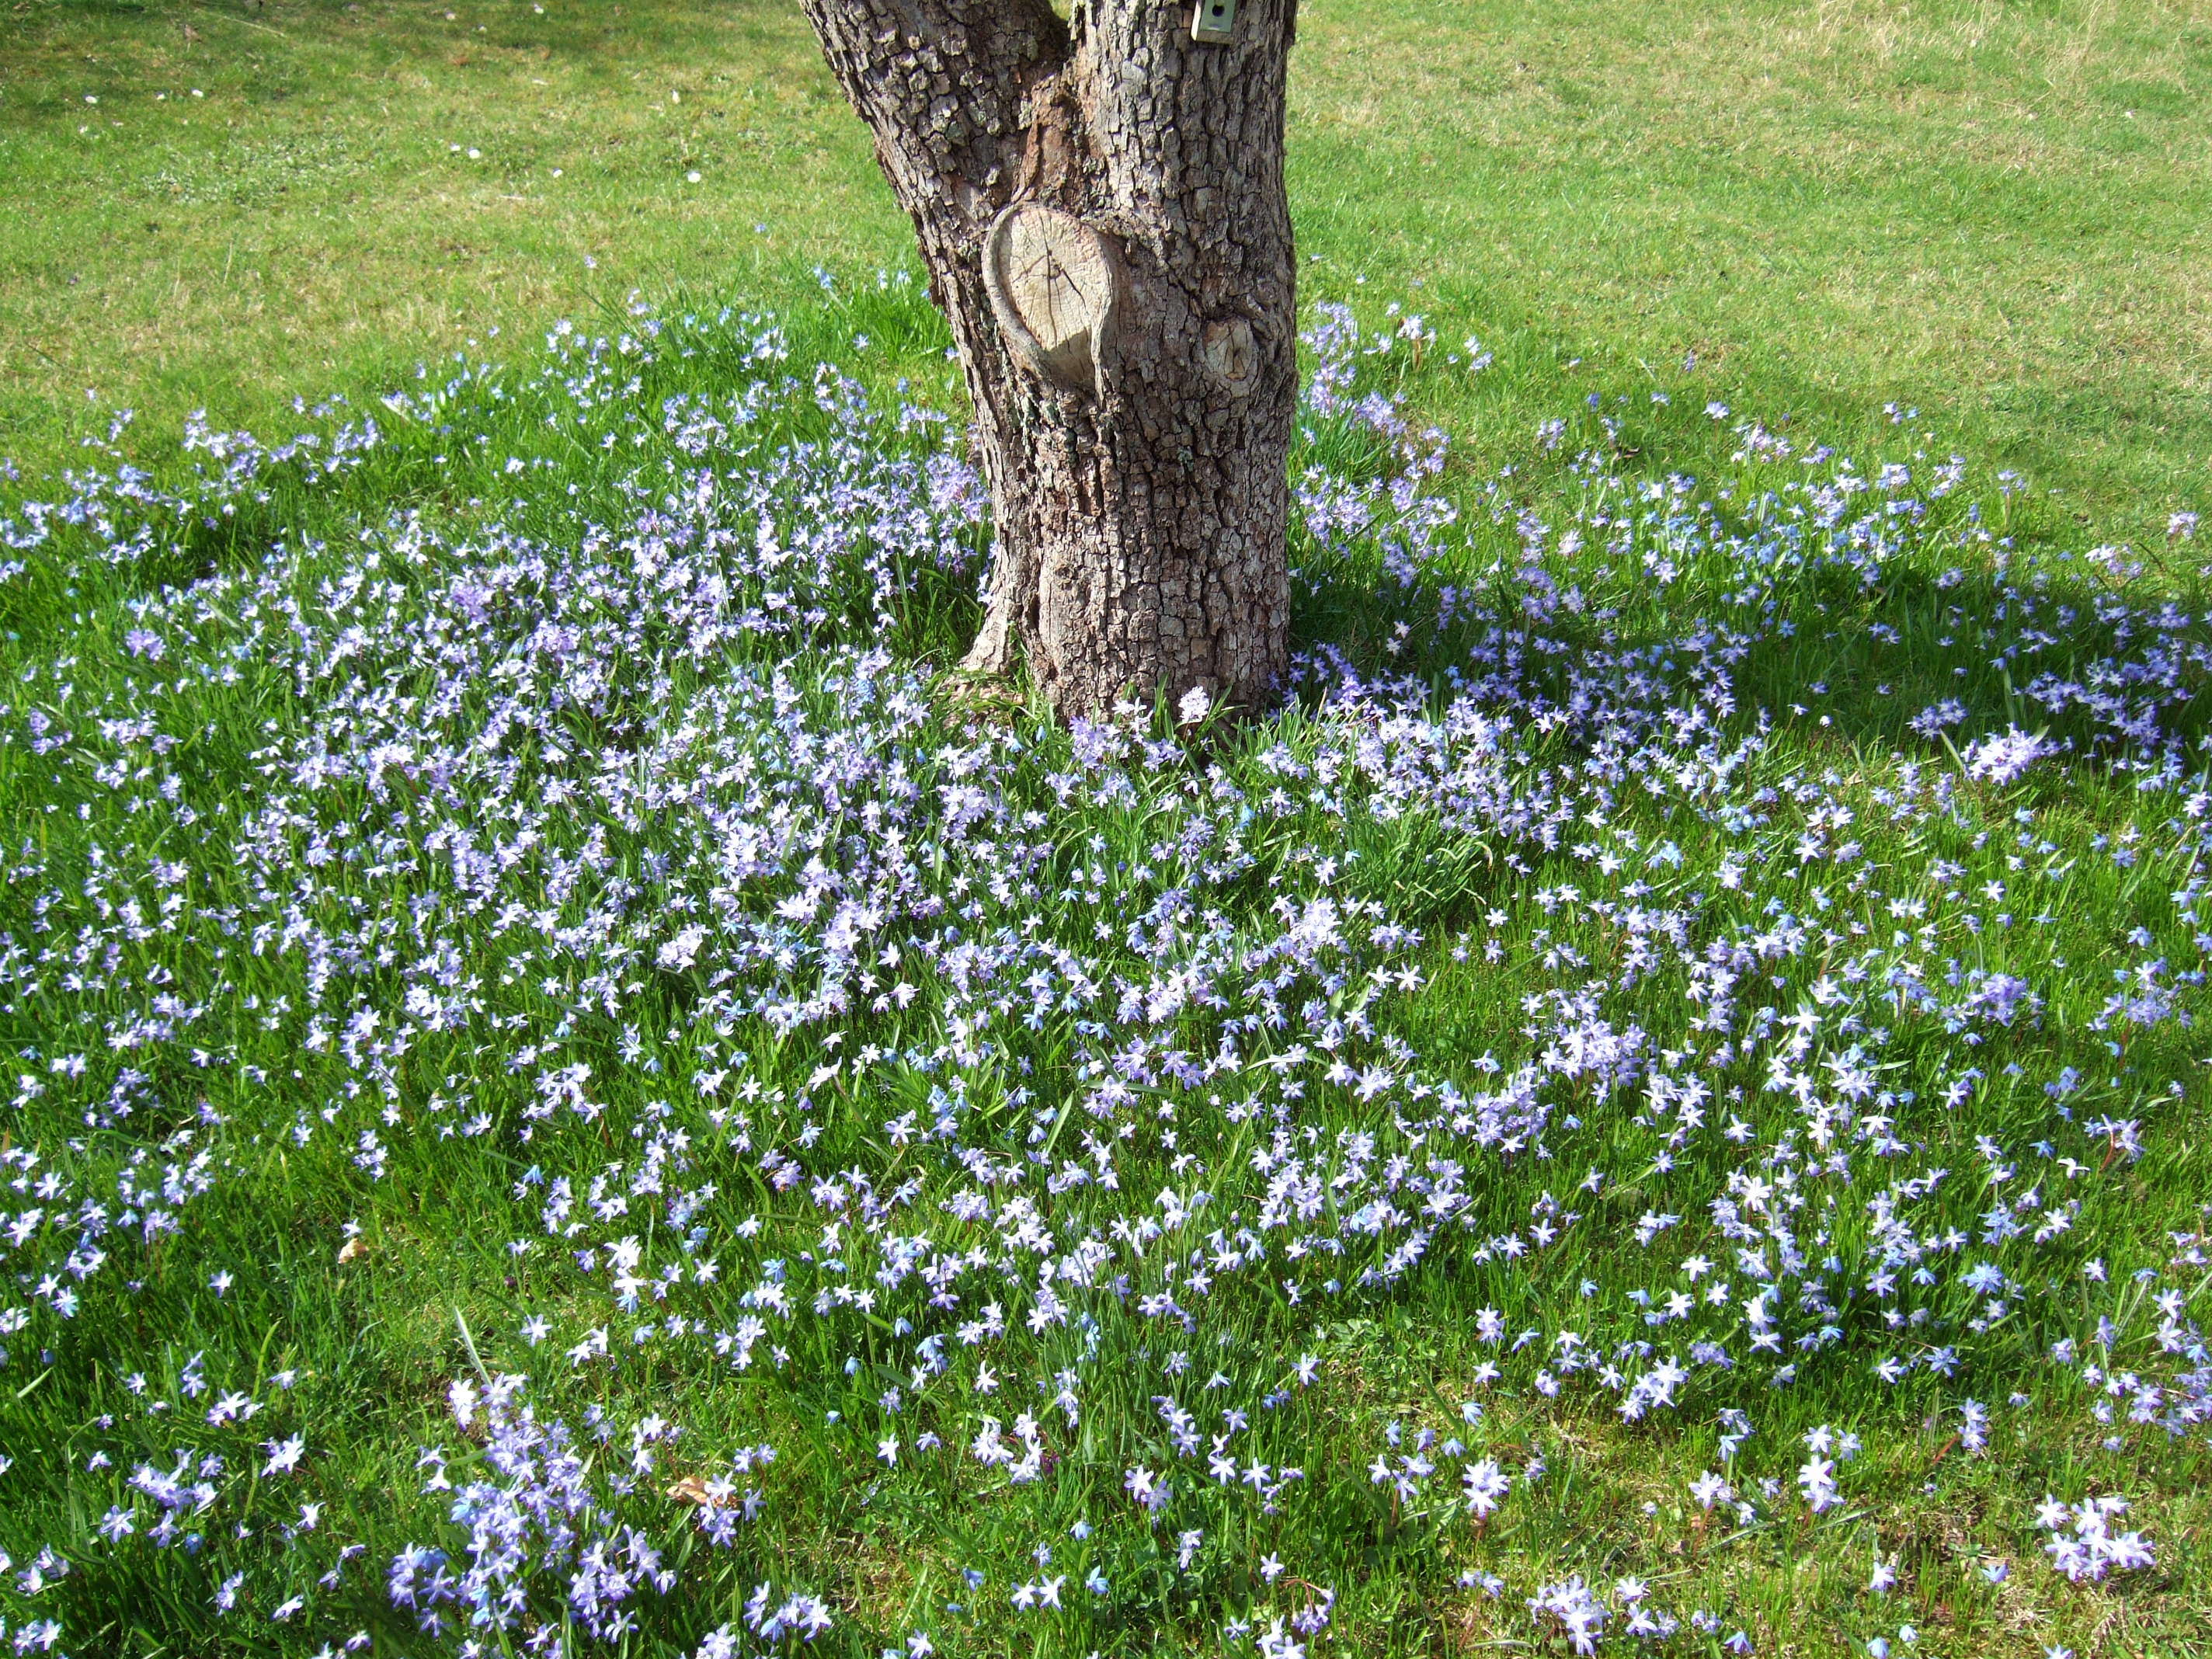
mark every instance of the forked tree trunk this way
{"type": "Point", "coordinates": [1101, 209]}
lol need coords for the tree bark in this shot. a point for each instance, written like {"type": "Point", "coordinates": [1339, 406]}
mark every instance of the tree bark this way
{"type": "Point", "coordinates": [1140, 486]}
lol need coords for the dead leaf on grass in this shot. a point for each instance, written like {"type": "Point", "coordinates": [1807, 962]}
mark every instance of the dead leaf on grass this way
{"type": "Point", "coordinates": [693, 1490]}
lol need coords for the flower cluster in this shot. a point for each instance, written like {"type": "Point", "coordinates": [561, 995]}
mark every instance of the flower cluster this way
{"type": "Point", "coordinates": [846, 1106]}
{"type": "Point", "coordinates": [2082, 1544]}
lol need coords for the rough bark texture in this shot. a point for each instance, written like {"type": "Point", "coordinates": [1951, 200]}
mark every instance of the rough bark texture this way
{"type": "Point", "coordinates": [1140, 518]}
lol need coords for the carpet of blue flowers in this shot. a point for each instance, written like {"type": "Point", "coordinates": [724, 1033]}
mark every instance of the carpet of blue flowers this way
{"type": "Point", "coordinates": [570, 1091]}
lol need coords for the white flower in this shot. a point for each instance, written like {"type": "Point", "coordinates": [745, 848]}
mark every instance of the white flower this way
{"type": "Point", "coordinates": [283, 1457]}
{"type": "Point", "coordinates": [2002, 760]}
{"type": "Point", "coordinates": [680, 952]}
{"type": "Point", "coordinates": [1487, 1485]}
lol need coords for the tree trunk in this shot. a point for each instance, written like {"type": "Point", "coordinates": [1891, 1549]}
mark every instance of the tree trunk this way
{"type": "Point", "coordinates": [1100, 206]}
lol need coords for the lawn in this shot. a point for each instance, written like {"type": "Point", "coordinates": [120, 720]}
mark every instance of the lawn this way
{"type": "Point", "coordinates": [2001, 214]}
{"type": "Point", "coordinates": [571, 1097]}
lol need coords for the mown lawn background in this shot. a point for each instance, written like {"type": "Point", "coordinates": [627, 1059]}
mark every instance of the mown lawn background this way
{"type": "Point", "coordinates": [1998, 214]}
{"type": "Point", "coordinates": [1821, 217]}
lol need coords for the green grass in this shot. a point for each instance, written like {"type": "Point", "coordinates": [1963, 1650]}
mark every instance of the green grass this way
{"type": "Point", "coordinates": [1995, 213]}
{"type": "Point", "coordinates": [1832, 208]}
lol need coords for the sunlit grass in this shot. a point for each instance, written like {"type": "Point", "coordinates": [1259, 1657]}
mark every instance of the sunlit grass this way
{"type": "Point", "coordinates": [374, 1273]}
{"type": "Point", "coordinates": [1990, 214]}
{"type": "Point", "coordinates": [1581, 783]}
